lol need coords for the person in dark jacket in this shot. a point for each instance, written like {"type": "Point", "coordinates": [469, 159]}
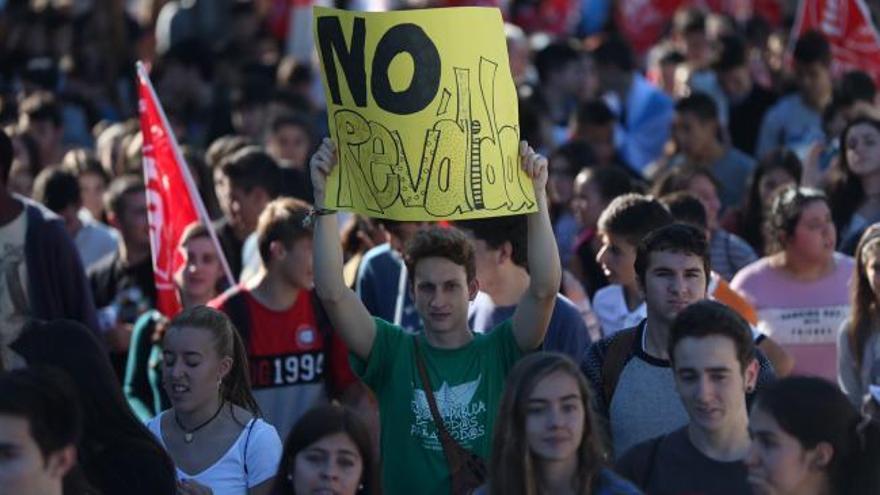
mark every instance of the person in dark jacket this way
{"type": "Point", "coordinates": [41, 274]}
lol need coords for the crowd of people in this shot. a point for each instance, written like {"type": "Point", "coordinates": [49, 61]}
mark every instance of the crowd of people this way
{"type": "Point", "coordinates": [694, 308]}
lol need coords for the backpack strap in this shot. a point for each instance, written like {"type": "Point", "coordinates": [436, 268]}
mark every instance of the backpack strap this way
{"type": "Point", "coordinates": [446, 438]}
{"type": "Point", "coordinates": [619, 350]}
{"type": "Point", "coordinates": [237, 309]}
{"type": "Point", "coordinates": [467, 470]}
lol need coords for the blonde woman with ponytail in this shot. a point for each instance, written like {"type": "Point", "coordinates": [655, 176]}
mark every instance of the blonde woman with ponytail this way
{"type": "Point", "coordinates": [213, 431]}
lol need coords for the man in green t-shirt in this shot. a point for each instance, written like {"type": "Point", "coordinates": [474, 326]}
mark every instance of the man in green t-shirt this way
{"type": "Point", "coordinates": [466, 370]}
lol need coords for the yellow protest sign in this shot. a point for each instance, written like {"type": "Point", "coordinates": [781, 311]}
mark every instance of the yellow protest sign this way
{"type": "Point", "coordinates": [423, 110]}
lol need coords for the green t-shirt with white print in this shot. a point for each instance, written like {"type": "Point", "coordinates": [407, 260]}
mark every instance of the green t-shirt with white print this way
{"type": "Point", "coordinates": [467, 383]}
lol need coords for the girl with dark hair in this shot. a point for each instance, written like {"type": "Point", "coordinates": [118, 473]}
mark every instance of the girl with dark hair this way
{"type": "Point", "coordinates": [854, 184]}
{"type": "Point", "coordinates": [212, 430]}
{"type": "Point", "coordinates": [329, 448]}
{"type": "Point", "coordinates": [593, 189]}
{"type": "Point", "coordinates": [858, 344]}
{"type": "Point", "coordinates": [807, 439]}
{"type": "Point", "coordinates": [547, 437]}
{"type": "Point", "coordinates": [728, 253]}
{"type": "Point", "coordinates": [778, 168]}
{"type": "Point", "coordinates": [116, 452]}
{"type": "Point", "coordinates": [564, 164]}
{"type": "Point", "coordinates": [799, 291]}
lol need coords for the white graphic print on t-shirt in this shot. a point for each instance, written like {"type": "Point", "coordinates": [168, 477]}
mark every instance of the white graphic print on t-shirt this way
{"type": "Point", "coordinates": [463, 418]}
{"type": "Point", "coordinates": [815, 325]}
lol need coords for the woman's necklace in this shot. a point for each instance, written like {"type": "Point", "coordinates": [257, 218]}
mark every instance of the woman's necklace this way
{"type": "Point", "coordinates": [188, 434]}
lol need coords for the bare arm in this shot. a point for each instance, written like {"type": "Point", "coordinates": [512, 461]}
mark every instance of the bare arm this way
{"type": "Point", "coordinates": [534, 310]}
{"type": "Point", "coordinates": [346, 311]}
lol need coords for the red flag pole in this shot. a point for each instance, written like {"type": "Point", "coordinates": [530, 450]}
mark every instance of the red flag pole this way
{"type": "Point", "coordinates": [190, 183]}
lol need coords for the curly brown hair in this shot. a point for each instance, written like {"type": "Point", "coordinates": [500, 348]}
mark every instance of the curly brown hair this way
{"type": "Point", "coordinates": [441, 242]}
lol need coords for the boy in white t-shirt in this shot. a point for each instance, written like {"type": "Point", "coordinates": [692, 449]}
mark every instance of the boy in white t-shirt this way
{"type": "Point", "coordinates": [626, 220]}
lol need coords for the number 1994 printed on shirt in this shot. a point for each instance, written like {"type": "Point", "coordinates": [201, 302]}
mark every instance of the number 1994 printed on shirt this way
{"type": "Point", "coordinates": [423, 109]}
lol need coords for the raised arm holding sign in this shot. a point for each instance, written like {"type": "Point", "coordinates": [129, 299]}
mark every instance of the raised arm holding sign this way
{"type": "Point", "coordinates": [351, 318]}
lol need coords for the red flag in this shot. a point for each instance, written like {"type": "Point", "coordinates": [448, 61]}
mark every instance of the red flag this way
{"type": "Point", "coordinates": [847, 26]}
{"type": "Point", "coordinates": [643, 22]}
{"type": "Point", "coordinates": [173, 202]}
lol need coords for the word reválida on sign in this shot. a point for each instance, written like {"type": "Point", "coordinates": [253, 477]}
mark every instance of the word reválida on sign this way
{"type": "Point", "coordinates": [467, 161]}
